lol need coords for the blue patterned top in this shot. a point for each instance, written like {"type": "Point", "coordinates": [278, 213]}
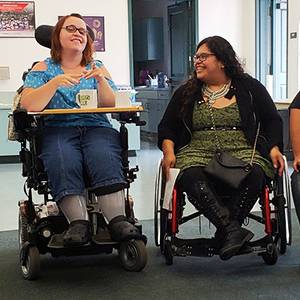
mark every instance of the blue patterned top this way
{"type": "Point", "coordinates": [65, 97]}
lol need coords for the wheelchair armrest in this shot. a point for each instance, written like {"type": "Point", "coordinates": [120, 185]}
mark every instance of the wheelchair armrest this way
{"type": "Point", "coordinates": [21, 122]}
{"type": "Point", "coordinates": [128, 117]}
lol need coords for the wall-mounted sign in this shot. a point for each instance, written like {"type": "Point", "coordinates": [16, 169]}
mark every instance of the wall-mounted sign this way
{"type": "Point", "coordinates": [17, 19]}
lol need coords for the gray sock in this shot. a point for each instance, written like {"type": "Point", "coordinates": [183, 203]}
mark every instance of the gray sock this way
{"type": "Point", "coordinates": [74, 207]}
{"type": "Point", "coordinates": [112, 205]}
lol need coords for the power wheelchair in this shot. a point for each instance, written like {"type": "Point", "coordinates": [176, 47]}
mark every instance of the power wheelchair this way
{"type": "Point", "coordinates": [275, 204]}
{"type": "Point", "coordinates": [41, 226]}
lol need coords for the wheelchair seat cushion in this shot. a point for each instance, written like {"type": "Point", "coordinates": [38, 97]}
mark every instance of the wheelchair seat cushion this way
{"type": "Point", "coordinates": [121, 230]}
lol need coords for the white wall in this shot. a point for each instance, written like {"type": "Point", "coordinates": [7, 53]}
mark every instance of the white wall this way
{"type": "Point", "coordinates": [20, 53]}
{"type": "Point", "coordinates": [293, 48]}
{"type": "Point", "coordinates": [235, 21]}
{"type": "Point", "coordinates": [232, 19]}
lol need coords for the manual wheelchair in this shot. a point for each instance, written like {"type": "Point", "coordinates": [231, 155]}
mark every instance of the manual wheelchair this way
{"type": "Point", "coordinates": [275, 204]}
{"type": "Point", "coordinates": [41, 226]}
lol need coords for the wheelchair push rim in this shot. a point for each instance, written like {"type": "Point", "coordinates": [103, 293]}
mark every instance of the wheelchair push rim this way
{"type": "Point", "coordinates": [157, 203]}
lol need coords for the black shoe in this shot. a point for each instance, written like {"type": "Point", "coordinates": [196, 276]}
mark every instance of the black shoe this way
{"type": "Point", "coordinates": [233, 241]}
{"type": "Point", "coordinates": [78, 233]}
{"type": "Point", "coordinates": [121, 230]}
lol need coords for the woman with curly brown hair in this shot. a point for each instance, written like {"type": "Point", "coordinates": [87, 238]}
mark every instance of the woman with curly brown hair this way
{"type": "Point", "coordinates": [241, 107]}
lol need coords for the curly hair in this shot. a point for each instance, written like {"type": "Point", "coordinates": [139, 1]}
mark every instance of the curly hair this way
{"type": "Point", "coordinates": [88, 51]}
{"type": "Point", "coordinates": [224, 52]}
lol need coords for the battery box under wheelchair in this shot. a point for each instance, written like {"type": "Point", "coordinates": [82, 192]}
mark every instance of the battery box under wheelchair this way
{"type": "Point", "coordinates": [42, 226]}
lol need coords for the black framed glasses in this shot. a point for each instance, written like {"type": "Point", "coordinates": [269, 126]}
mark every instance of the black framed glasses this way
{"type": "Point", "coordinates": [202, 56]}
{"type": "Point", "coordinates": [73, 28]}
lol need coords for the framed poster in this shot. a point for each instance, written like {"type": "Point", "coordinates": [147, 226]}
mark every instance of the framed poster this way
{"type": "Point", "coordinates": [17, 19]}
{"type": "Point", "coordinates": [97, 25]}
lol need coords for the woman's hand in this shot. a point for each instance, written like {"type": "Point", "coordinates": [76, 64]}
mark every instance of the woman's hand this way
{"type": "Point", "coordinates": [94, 72]}
{"type": "Point", "coordinates": [296, 164]}
{"type": "Point", "coordinates": [277, 159]}
{"type": "Point", "coordinates": [67, 80]}
{"type": "Point", "coordinates": [169, 159]}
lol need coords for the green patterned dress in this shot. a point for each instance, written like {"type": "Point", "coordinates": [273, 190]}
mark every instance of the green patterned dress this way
{"type": "Point", "coordinates": [203, 143]}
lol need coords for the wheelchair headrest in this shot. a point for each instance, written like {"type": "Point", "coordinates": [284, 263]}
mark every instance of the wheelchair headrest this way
{"type": "Point", "coordinates": [43, 34]}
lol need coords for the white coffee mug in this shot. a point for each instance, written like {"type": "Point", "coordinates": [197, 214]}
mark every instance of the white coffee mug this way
{"type": "Point", "coordinates": [87, 99]}
{"type": "Point", "coordinates": [123, 98]}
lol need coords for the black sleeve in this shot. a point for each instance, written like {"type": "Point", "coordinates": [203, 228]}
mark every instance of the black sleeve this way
{"type": "Point", "coordinates": [271, 122]}
{"type": "Point", "coordinates": [171, 124]}
{"type": "Point", "coordinates": [296, 102]}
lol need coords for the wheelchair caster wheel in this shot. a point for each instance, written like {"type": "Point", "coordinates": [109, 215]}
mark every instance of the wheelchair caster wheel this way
{"type": "Point", "coordinates": [133, 255]}
{"type": "Point", "coordinates": [30, 267]}
{"type": "Point", "coordinates": [271, 255]}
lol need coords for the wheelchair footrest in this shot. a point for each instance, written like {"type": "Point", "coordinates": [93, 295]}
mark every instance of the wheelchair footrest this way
{"type": "Point", "coordinates": [193, 247]}
{"type": "Point", "coordinates": [103, 238]}
{"type": "Point", "coordinates": [56, 242]}
{"type": "Point", "coordinates": [261, 245]}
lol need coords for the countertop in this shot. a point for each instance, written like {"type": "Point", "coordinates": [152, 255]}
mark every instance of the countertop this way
{"type": "Point", "coordinates": [149, 88]}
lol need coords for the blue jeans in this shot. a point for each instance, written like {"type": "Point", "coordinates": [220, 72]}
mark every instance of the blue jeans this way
{"type": "Point", "coordinates": [295, 183]}
{"type": "Point", "coordinates": [69, 151]}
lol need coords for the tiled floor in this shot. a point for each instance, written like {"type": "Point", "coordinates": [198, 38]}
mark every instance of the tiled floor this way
{"type": "Point", "coordinates": [142, 190]}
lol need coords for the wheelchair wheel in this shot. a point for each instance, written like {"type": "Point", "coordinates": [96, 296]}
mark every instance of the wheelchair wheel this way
{"type": "Point", "coordinates": [283, 211]}
{"type": "Point", "coordinates": [22, 229]}
{"type": "Point", "coordinates": [271, 255]}
{"type": "Point", "coordinates": [281, 239]}
{"type": "Point", "coordinates": [133, 255]}
{"type": "Point", "coordinates": [168, 253]}
{"type": "Point", "coordinates": [158, 201]}
{"type": "Point", "coordinates": [31, 267]}
{"type": "Point", "coordinates": [287, 207]}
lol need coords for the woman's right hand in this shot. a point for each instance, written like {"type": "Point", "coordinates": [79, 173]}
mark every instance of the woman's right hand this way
{"type": "Point", "coordinates": [169, 161]}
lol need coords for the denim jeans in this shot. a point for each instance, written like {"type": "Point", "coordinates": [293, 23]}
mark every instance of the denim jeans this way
{"type": "Point", "coordinates": [68, 151]}
{"type": "Point", "coordinates": [295, 183]}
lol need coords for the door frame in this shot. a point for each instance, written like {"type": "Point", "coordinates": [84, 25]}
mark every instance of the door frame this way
{"type": "Point", "coordinates": [130, 33]}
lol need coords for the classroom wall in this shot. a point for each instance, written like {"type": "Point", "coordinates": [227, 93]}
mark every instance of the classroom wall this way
{"type": "Point", "coordinates": [20, 53]}
{"type": "Point", "coordinates": [233, 19]}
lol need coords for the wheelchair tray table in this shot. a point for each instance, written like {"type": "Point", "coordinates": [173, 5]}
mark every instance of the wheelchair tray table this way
{"type": "Point", "coordinates": [89, 110]}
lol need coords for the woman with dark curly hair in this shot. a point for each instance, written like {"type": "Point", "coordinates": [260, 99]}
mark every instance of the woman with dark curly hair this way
{"type": "Point", "coordinates": [241, 107]}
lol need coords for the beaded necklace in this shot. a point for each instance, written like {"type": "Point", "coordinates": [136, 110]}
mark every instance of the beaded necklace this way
{"type": "Point", "coordinates": [213, 95]}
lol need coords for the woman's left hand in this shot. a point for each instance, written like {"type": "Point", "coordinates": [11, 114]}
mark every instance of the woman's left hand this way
{"type": "Point", "coordinates": [94, 72]}
{"type": "Point", "coordinates": [277, 159]}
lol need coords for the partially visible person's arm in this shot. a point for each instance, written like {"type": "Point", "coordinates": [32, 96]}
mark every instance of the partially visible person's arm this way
{"type": "Point", "coordinates": [295, 136]}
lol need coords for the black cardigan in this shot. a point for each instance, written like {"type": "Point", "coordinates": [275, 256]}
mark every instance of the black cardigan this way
{"type": "Point", "coordinates": [254, 103]}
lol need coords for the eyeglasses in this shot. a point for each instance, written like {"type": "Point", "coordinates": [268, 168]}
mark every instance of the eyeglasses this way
{"type": "Point", "coordinates": [202, 56]}
{"type": "Point", "coordinates": [72, 29]}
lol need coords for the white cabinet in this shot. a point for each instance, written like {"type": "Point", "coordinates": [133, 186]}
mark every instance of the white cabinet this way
{"type": "Point", "coordinates": [154, 102]}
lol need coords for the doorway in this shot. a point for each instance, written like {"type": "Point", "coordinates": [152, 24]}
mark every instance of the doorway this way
{"type": "Point", "coordinates": [179, 24]}
{"type": "Point", "coordinates": [271, 32]}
